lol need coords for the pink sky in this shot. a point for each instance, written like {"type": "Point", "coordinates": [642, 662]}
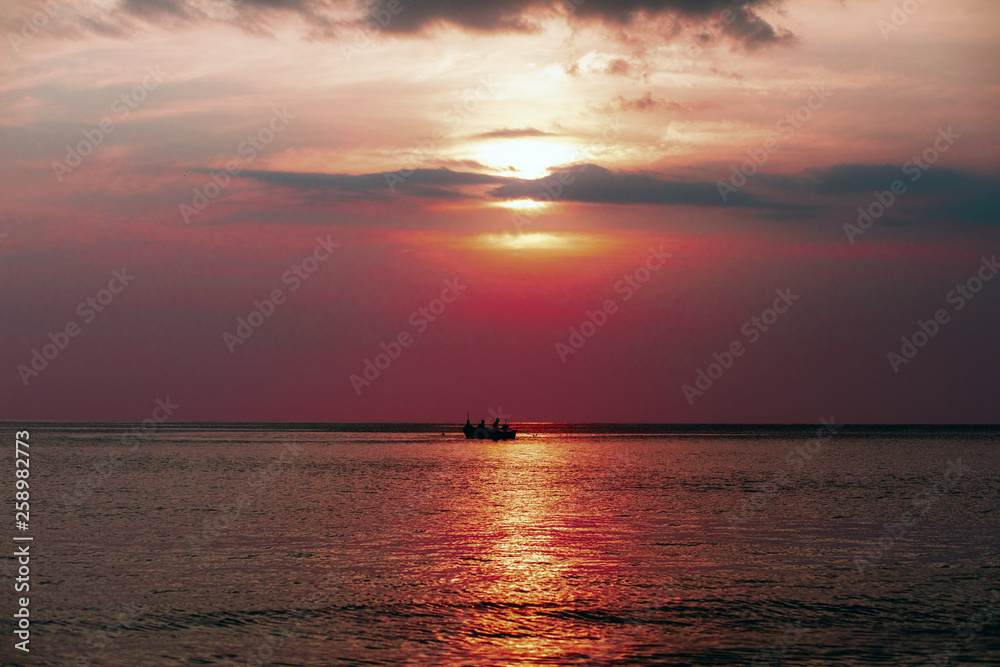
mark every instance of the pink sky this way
{"type": "Point", "coordinates": [534, 152]}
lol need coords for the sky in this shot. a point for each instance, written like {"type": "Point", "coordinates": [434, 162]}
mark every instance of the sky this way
{"type": "Point", "coordinates": [742, 211]}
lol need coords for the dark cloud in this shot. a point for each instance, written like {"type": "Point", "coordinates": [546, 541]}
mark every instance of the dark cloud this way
{"type": "Point", "coordinates": [279, 4]}
{"type": "Point", "coordinates": [736, 19]}
{"type": "Point", "coordinates": [513, 133]}
{"type": "Point", "coordinates": [754, 32]}
{"type": "Point", "coordinates": [416, 16]}
{"type": "Point", "coordinates": [153, 8]}
{"type": "Point", "coordinates": [975, 201]}
{"type": "Point", "coordinates": [863, 177]}
{"type": "Point", "coordinates": [854, 177]}
{"type": "Point", "coordinates": [432, 183]}
{"type": "Point", "coordinates": [845, 178]}
{"type": "Point", "coordinates": [597, 185]}
{"type": "Point", "coordinates": [740, 22]}
{"type": "Point", "coordinates": [940, 195]}
{"type": "Point", "coordinates": [586, 183]}
{"type": "Point", "coordinates": [937, 193]}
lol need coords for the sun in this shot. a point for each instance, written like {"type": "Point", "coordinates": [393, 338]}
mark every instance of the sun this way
{"type": "Point", "coordinates": [527, 158]}
{"type": "Point", "coordinates": [531, 241]}
{"type": "Point", "coordinates": [542, 244]}
{"type": "Point", "coordinates": [531, 205]}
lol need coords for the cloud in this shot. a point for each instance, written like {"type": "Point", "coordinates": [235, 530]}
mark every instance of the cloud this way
{"type": "Point", "coordinates": [330, 19]}
{"type": "Point", "coordinates": [586, 183]}
{"type": "Point", "coordinates": [857, 177]}
{"type": "Point", "coordinates": [648, 103]}
{"type": "Point", "coordinates": [417, 16]}
{"type": "Point", "coordinates": [147, 8]}
{"type": "Point", "coordinates": [253, 16]}
{"type": "Point", "coordinates": [597, 185]}
{"type": "Point", "coordinates": [432, 183]}
{"type": "Point", "coordinates": [465, 164]}
{"type": "Point", "coordinates": [514, 133]}
{"type": "Point", "coordinates": [609, 64]}
{"type": "Point", "coordinates": [153, 8]}
{"type": "Point", "coordinates": [743, 24]}
{"type": "Point", "coordinates": [939, 195]}
{"type": "Point", "coordinates": [975, 201]}
{"type": "Point", "coordinates": [845, 178]}
{"type": "Point", "coordinates": [754, 32]}
{"type": "Point", "coordinates": [727, 75]}
{"type": "Point", "coordinates": [619, 67]}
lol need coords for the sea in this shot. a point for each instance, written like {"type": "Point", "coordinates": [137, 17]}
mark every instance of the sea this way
{"type": "Point", "coordinates": [575, 544]}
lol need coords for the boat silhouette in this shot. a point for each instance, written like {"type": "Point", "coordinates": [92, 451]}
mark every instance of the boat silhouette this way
{"type": "Point", "coordinates": [484, 432]}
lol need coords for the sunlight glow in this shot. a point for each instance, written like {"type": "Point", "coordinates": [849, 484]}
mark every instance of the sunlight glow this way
{"type": "Point", "coordinates": [532, 241]}
{"type": "Point", "coordinates": [527, 158]}
{"type": "Point", "coordinates": [524, 204]}
{"type": "Point", "coordinates": [552, 243]}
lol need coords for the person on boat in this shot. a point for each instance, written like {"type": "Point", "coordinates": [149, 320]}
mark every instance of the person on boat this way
{"type": "Point", "coordinates": [496, 423]}
{"type": "Point", "coordinates": [504, 427]}
{"type": "Point", "coordinates": [482, 423]}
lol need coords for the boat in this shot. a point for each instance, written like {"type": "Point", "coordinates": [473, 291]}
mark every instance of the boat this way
{"type": "Point", "coordinates": [483, 432]}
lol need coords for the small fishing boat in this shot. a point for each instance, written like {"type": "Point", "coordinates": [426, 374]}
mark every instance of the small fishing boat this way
{"type": "Point", "coordinates": [484, 432]}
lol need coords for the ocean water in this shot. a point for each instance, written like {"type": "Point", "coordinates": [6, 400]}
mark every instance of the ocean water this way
{"type": "Point", "coordinates": [572, 545]}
